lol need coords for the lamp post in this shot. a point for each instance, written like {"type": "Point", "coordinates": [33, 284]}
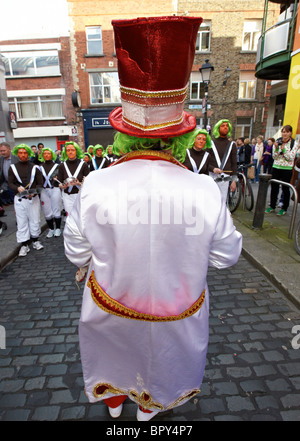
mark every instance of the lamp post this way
{"type": "Point", "coordinates": [227, 73]}
{"type": "Point", "coordinates": [206, 69]}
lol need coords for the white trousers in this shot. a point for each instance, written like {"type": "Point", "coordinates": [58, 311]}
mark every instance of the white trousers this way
{"type": "Point", "coordinates": [51, 202]}
{"type": "Point", "coordinates": [28, 214]}
{"type": "Point", "coordinates": [68, 201]}
{"type": "Point", "coordinates": [223, 186]}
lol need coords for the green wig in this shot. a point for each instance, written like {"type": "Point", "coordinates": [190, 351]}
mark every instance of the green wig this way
{"type": "Point", "coordinates": [30, 152]}
{"type": "Point", "coordinates": [124, 143]}
{"type": "Point", "coordinates": [46, 149]}
{"type": "Point", "coordinates": [216, 132]}
{"type": "Point", "coordinates": [80, 154]}
{"type": "Point", "coordinates": [89, 155]}
{"type": "Point", "coordinates": [98, 146]}
{"type": "Point", "coordinates": [187, 141]}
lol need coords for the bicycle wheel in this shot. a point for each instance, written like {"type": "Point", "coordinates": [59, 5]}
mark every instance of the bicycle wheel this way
{"type": "Point", "coordinates": [234, 198]}
{"type": "Point", "coordinates": [297, 238]}
{"type": "Point", "coordinates": [249, 197]}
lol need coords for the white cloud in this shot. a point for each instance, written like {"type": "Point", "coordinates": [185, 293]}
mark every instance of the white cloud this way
{"type": "Point", "coordinates": [33, 19]}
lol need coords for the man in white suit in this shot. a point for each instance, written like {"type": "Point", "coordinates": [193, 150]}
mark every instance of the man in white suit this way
{"type": "Point", "coordinates": [145, 230]}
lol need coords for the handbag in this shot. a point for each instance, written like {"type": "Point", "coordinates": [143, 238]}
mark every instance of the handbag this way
{"type": "Point", "coordinates": [251, 172]}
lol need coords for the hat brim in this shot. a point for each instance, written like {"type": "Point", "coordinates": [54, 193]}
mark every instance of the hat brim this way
{"type": "Point", "coordinates": [187, 125]}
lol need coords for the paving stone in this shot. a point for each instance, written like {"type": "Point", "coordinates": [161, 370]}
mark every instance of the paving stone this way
{"type": "Point", "coordinates": [46, 413]}
{"type": "Point", "coordinates": [238, 403]}
{"type": "Point", "coordinates": [252, 372]}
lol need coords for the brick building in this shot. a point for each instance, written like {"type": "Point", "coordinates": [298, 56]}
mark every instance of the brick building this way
{"type": "Point", "coordinates": [65, 87]}
{"type": "Point", "coordinates": [227, 37]}
{"type": "Point", "coordinates": [39, 88]}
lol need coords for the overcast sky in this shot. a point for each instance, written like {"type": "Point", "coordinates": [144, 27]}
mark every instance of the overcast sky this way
{"type": "Point", "coordinates": [33, 19]}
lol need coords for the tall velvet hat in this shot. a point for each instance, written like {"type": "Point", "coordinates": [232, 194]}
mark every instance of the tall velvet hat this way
{"type": "Point", "coordinates": [155, 58]}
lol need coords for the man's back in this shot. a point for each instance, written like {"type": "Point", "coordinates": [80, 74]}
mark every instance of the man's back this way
{"type": "Point", "coordinates": [154, 228]}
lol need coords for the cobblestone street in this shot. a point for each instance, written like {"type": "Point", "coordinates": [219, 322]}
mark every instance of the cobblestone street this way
{"type": "Point", "coordinates": [252, 373]}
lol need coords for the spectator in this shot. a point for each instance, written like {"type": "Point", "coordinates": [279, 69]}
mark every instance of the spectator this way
{"type": "Point", "coordinates": [284, 155]}
{"type": "Point", "coordinates": [268, 156]}
{"type": "Point", "coordinates": [256, 155]}
{"type": "Point", "coordinates": [6, 159]}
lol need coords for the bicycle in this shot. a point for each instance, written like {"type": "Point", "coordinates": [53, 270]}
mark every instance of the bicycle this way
{"type": "Point", "coordinates": [233, 197]}
{"type": "Point", "coordinates": [243, 189]}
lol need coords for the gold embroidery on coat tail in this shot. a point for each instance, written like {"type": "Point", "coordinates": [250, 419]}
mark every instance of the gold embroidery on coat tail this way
{"type": "Point", "coordinates": [111, 306]}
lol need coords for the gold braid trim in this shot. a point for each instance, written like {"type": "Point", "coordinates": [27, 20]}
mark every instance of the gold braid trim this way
{"type": "Point", "coordinates": [154, 94]}
{"type": "Point", "coordinates": [111, 306]}
{"type": "Point", "coordinates": [148, 154]}
{"type": "Point", "coordinates": [144, 399]}
{"type": "Point", "coordinates": [185, 397]}
{"type": "Point", "coordinates": [153, 126]}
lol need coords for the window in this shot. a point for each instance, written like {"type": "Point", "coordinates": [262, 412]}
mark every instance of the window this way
{"type": "Point", "coordinates": [243, 127]}
{"type": "Point", "coordinates": [37, 107]}
{"type": "Point", "coordinates": [197, 86]}
{"type": "Point", "coordinates": [247, 86]}
{"type": "Point", "coordinates": [251, 34]}
{"type": "Point", "coordinates": [39, 63]}
{"type": "Point", "coordinates": [104, 87]}
{"type": "Point", "coordinates": [203, 37]}
{"type": "Point", "coordinates": [94, 40]}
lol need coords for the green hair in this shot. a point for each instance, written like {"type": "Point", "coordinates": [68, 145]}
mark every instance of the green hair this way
{"type": "Point", "coordinates": [23, 146]}
{"type": "Point", "coordinates": [106, 150]}
{"type": "Point", "coordinates": [98, 146]}
{"type": "Point", "coordinates": [125, 143]}
{"type": "Point", "coordinates": [79, 152]}
{"type": "Point", "coordinates": [46, 149]}
{"type": "Point", "coordinates": [216, 132]}
{"type": "Point", "coordinates": [88, 154]}
{"type": "Point", "coordinates": [187, 141]}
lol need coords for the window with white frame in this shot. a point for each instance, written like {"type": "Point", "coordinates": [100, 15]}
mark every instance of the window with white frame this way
{"type": "Point", "coordinates": [243, 127]}
{"type": "Point", "coordinates": [247, 85]}
{"type": "Point", "coordinates": [37, 63]}
{"type": "Point", "coordinates": [37, 107]}
{"type": "Point", "coordinates": [203, 37]}
{"type": "Point", "coordinates": [196, 87]}
{"type": "Point", "coordinates": [251, 34]}
{"type": "Point", "coordinates": [104, 87]}
{"type": "Point", "coordinates": [94, 40]}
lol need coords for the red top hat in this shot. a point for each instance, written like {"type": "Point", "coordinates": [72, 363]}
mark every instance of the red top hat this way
{"type": "Point", "coordinates": [155, 58]}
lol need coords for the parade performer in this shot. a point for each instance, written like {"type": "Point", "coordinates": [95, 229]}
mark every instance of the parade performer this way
{"type": "Point", "coordinates": [139, 229]}
{"type": "Point", "coordinates": [223, 157]}
{"type": "Point", "coordinates": [51, 194]}
{"type": "Point", "coordinates": [88, 158]}
{"type": "Point", "coordinates": [198, 157]}
{"type": "Point", "coordinates": [98, 160]}
{"type": "Point", "coordinates": [71, 173]}
{"type": "Point", "coordinates": [25, 179]}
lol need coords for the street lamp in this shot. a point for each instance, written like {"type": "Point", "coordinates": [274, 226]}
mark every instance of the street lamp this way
{"type": "Point", "coordinates": [227, 73]}
{"type": "Point", "coordinates": [206, 69]}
